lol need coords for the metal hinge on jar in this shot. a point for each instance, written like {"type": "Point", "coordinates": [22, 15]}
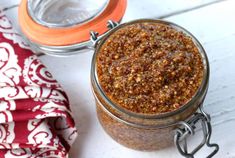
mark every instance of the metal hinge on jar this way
{"type": "Point", "coordinates": [94, 35]}
{"type": "Point", "coordinates": [187, 128]}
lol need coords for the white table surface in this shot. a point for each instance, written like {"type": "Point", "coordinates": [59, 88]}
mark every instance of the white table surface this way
{"type": "Point", "coordinates": [211, 21]}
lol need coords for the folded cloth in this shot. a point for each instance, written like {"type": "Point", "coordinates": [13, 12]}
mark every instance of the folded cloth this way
{"type": "Point", "coordinates": [35, 117]}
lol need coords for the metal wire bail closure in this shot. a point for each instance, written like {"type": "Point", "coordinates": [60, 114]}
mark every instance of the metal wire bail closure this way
{"type": "Point", "coordinates": [94, 36]}
{"type": "Point", "coordinates": [188, 128]}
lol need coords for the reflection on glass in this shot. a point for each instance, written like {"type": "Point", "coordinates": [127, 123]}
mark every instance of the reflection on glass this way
{"type": "Point", "coordinates": [64, 13]}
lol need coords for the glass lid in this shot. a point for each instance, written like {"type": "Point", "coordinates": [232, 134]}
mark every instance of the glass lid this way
{"type": "Point", "coordinates": [65, 13]}
{"type": "Point", "coordinates": [63, 27]}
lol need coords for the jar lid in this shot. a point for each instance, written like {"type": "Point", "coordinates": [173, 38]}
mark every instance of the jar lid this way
{"type": "Point", "coordinates": [64, 23]}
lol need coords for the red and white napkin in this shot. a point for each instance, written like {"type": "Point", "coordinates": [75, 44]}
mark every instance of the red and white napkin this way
{"type": "Point", "coordinates": [35, 117]}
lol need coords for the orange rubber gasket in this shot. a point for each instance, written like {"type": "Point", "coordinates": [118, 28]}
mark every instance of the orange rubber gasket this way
{"type": "Point", "coordinates": [71, 35]}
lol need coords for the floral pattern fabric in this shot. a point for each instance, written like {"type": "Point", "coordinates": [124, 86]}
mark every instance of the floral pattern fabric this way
{"type": "Point", "coordinates": [35, 117]}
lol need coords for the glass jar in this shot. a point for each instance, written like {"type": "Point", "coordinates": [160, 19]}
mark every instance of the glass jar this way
{"type": "Point", "coordinates": [153, 132]}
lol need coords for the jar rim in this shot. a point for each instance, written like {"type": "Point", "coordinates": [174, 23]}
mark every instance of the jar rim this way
{"type": "Point", "coordinates": [198, 95]}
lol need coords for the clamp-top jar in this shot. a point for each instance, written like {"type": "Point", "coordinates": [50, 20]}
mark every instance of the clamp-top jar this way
{"type": "Point", "coordinates": [134, 130]}
{"type": "Point", "coordinates": [155, 131]}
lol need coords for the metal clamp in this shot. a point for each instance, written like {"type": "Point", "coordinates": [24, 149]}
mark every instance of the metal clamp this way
{"type": "Point", "coordinates": [94, 36]}
{"type": "Point", "coordinates": [188, 128]}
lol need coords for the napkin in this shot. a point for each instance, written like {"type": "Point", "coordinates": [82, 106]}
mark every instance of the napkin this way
{"type": "Point", "coordinates": [35, 117]}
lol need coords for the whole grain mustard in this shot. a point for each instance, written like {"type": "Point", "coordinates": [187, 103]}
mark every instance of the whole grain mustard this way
{"type": "Point", "coordinates": [149, 68]}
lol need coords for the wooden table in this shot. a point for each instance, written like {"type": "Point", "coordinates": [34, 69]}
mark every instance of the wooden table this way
{"type": "Point", "coordinates": [211, 21]}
